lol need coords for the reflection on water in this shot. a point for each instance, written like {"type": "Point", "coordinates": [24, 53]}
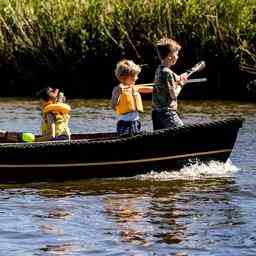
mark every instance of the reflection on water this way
{"type": "Point", "coordinates": [125, 211]}
{"type": "Point", "coordinates": [120, 215]}
{"type": "Point", "coordinates": [62, 249]}
{"type": "Point", "coordinates": [200, 210]}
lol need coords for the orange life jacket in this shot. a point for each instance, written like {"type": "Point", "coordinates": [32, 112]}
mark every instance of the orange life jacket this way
{"type": "Point", "coordinates": [129, 100]}
{"type": "Point", "coordinates": [62, 115]}
{"type": "Point", "coordinates": [57, 107]}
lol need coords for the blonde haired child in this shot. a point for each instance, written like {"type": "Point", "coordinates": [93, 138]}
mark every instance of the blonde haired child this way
{"type": "Point", "coordinates": [126, 99]}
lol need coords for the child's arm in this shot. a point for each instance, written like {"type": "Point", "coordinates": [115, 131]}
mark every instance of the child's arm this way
{"type": "Point", "coordinates": [144, 88]}
{"type": "Point", "coordinates": [179, 83]}
{"type": "Point", "coordinates": [51, 133]}
{"type": "Point", "coordinates": [184, 76]}
{"type": "Point", "coordinates": [115, 96]}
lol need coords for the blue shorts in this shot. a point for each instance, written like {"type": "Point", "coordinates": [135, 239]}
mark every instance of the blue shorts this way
{"type": "Point", "coordinates": [165, 119]}
{"type": "Point", "coordinates": [128, 127]}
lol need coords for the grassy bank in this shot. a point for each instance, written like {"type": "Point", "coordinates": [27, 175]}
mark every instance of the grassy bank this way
{"type": "Point", "coordinates": [75, 44]}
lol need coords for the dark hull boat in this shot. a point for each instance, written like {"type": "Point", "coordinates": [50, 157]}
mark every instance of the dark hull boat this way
{"type": "Point", "coordinates": [106, 155]}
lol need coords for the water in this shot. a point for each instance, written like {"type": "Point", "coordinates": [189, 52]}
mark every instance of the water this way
{"type": "Point", "coordinates": [201, 210]}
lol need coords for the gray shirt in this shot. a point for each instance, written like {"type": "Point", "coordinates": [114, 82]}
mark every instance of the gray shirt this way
{"type": "Point", "coordinates": [165, 90]}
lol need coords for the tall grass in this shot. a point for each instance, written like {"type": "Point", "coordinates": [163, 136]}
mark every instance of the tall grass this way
{"type": "Point", "coordinates": [65, 35]}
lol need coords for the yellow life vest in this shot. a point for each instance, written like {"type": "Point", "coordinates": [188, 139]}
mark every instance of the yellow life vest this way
{"type": "Point", "coordinates": [62, 116]}
{"type": "Point", "coordinates": [129, 101]}
{"type": "Point", "coordinates": [57, 107]}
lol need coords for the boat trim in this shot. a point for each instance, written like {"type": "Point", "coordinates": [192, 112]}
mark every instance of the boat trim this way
{"type": "Point", "coordinates": [116, 162]}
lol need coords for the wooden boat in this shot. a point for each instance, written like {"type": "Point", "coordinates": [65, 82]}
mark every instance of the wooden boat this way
{"type": "Point", "coordinates": [107, 155]}
{"type": "Point", "coordinates": [251, 89]}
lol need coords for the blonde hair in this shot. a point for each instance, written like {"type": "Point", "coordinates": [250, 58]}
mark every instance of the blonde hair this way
{"type": "Point", "coordinates": [165, 46]}
{"type": "Point", "coordinates": [126, 68]}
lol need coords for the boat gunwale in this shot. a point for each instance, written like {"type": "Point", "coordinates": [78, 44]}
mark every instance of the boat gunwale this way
{"type": "Point", "coordinates": [163, 132]}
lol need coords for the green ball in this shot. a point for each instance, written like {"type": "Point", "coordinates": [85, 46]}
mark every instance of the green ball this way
{"type": "Point", "coordinates": [28, 137]}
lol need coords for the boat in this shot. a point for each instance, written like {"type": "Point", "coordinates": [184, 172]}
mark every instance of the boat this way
{"type": "Point", "coordinates": [106, 155]}
{"type": "Point", "coordinates": [251, 90]}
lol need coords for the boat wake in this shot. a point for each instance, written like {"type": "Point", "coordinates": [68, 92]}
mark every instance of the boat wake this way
{"type": "Point", "coordinates": [194, 171]}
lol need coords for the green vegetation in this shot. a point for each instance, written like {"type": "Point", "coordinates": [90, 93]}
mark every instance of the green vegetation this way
{"type": "Point", "coordinates": [68, 42]}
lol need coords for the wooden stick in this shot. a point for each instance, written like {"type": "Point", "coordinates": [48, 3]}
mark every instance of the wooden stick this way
{"type": "Point", "coordinates": [196, 80]}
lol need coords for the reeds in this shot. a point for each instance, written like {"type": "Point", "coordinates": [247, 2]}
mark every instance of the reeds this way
{"type": "Point", "coordinates": [59, 31]}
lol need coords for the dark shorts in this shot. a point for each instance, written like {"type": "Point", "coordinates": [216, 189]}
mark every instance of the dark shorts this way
{"type": "Point", "coordinates": [61, 137]}
{"type": "Point", "coordinates": [128, 127]}
{"type": "Point", "coordinates": [165, 119]}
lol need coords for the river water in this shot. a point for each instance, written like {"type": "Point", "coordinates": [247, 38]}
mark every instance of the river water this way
{"type": "Point", "coordinates": [200, 210]}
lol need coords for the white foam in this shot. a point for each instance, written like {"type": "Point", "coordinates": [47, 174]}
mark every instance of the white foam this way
{"type": "Point", "coordinates": [194, 171]}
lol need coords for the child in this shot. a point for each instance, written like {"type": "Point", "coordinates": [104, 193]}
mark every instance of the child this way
{"type": "Point", "coordinates": [126, 99]}
{"type": "Point", "coordinates": [55, 115]}
{"type": "Point", "coordinates": [167, 86]}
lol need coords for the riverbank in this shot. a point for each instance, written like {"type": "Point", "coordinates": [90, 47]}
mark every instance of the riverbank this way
{"type": "Point", "coordinates": [76, 44]}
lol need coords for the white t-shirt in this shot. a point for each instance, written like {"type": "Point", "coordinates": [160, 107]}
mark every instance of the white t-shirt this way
{"type": "Point", "coordinates": [131, 116]}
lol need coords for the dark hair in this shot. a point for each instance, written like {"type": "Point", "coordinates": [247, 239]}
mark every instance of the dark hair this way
{"type": "Point", "coordinates": [43, 94]}
{"type": "Point", "coordinates": [165, 46]}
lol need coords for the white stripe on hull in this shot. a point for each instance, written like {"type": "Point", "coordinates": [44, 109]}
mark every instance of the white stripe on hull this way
{"type": "Point", "coordinates": [146, 160]}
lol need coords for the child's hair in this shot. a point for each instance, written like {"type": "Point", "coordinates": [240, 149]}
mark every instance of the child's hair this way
{"type": "Point", "coordinates": [43, 94]}
{"type": "Point", "coordinates": [165, 46]}
{"type": "Point", "coordinates": [126, 68]}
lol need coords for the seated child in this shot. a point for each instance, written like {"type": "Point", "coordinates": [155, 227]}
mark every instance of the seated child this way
{"type": "Point", "coordinates": [126, 99]}
{"type": "Point", "coordinates": [55, 115]}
